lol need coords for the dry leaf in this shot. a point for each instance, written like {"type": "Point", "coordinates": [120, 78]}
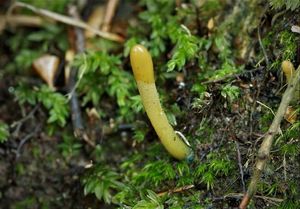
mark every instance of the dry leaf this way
{"type": "Point", "coordinates": [290, 115]}
{"type": "Point", "coordinates": [68, 20]}
{"type": "Point", "coordinates": [46, 66]}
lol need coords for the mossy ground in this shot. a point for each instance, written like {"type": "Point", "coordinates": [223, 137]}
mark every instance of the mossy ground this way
{"type": "Point", "coordinates": [219, 86]}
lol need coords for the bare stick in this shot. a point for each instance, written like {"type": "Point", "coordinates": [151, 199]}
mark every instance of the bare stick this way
{"type": "Point", "coordinates": [67, 20]}
{"type": "Point", "coordinates": [264, 150]}
{"type": "Point", "coordinates": [27, 20]}
{"type": "Point", "coordinates": [75, 107]}
{"type": "Point", "coordinates": [271, 200]}
{"type": "Point", "coordinates": [240, 165]}
{"type": "Point", "coordinates": [176, 190]}
{"type": "Point", "coordinates": [25, 139]}
{"type": "Point", "coordinates": [262, 47]}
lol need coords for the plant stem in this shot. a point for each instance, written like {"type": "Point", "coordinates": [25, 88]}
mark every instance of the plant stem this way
{"type": "Point", "coordinates": [264, 151]}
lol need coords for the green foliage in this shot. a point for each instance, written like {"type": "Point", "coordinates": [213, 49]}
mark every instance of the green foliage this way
{"type": "Point", "coordinates": [140, 132]}
{"type": "Point", "coordinates": [159, 13]}
{"type": "Point", "coordinates": [36, 44]}
{"type": "Point", "coordinates": [288, 204]}
{"type": "Point", "coordinates": [155, 173]}
{"type": "Point", "coordinates": [179, 41]}
{"type": "Point", "coordinates": [26, 57]}
{"type": "Point", "coordinates": [4, 132]}
{"type": "Point", "coordinates": [185, 49]}
{"type": "Point", "coordinates": [101, 181]}
{"type": "Point", "coordinates": [287, 142]}
{"type": "Point", "coordinates": [289, 43]}
{"type": "Point", "coordinates": [152, 201]}
{"type": "Point", "coordinates": [47, 36]}
{"type": "Point", "coordinates": [265, 121]}
{"type": "Point", "coordinates": [288, 4]}
{"type": "Point", "coordinates": [54, 102]}
{"type": "Point", "coordinates": [208, 172]}
{"type": "Point", "coordinates": [28, 202]}
{"type": "Point", "coordinates": [230, 92]}
{"type": "Point", "coordinates": [102, 74]}
{"type": "Point", "coordinates": [69, 147]}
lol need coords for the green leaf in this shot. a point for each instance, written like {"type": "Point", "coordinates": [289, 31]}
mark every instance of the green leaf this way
{"type": "Point", "coordinates": [152, 201]}
{"type": "Point", "coordinates": [4, 132]}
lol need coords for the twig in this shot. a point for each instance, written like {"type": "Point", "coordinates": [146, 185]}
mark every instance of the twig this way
{"type": "Point", "coordinates": [272, 200]}
{"type": "Point", "coordinates": [25, 139]}
{"type": "Point", "coordinates": [18, 124]}
{"type": "Point", "coordinates": [75, 106]}
{"type": "Point", "coordinates": [262, 47]}
{"type": "Point", "coordinates": [76, 112]}
{"type": "Point", "coordinates": [27, 20]}
{"type": "Point", "coordinates": [30, 115]}
{"type": "Point", "coordinates": [109, 14]}
{"type": "Point", "coordinates": [67, 20]}
{"type": "Point", "coordinates": [176, 190]}
{"type": "Point", "coordinates": [266, 106]}
{"type": "Point", "coordinates": [240, 165]}
{"type": "Point", "coordinates": [264, 151]}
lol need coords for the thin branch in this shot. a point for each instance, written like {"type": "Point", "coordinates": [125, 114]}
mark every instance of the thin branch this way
{"type": "Point", "coordinates": [176, 190]}
{"type": "Point", "coordinates": [27, 20]}
{"type": "Point", "coordinates": [264, 151]}
{"type": "Point", "coordinates": [272, 200]}
{"type": "Point", "coordinates": [262, 47]}
{"type": "Point", "coordinates": [75, 107]}
{"type": "Point", "coordinates": [77, 122]}
{"type": "Point", "coordinates": [240, 165]}
{"type": "Point", "coordinates": [27, 117]}
{"type": "Point", "coordinates": [25, 139]}
{"type": "Point", "coordinates": [67, 20]}
{"type": "Point", "coordinates": [18, 124]}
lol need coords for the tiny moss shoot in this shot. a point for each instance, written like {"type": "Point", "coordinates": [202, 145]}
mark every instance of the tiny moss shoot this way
{"type": "Point", "coordinates": [142, 67]}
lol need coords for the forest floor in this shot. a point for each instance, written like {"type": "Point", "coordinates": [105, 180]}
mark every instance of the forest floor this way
{"type": "Point", "coordinates": [222, 96]}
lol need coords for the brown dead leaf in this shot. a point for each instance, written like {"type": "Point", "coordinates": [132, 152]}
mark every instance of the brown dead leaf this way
{"type": "Point", "coordinates": [290, 115]}
{"type": "Point", "coordinates": [46, 67]}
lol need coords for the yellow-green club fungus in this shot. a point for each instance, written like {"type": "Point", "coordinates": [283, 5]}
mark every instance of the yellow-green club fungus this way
{"type": "Point", "coordinates": [142, 67]}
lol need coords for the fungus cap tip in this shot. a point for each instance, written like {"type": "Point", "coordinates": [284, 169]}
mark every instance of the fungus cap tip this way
{"type": "Point", "coordinates": [141, 63]}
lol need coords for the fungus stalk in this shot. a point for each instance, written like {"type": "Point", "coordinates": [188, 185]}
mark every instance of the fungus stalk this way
{"type": "Point", "coordinates": [142, 67]}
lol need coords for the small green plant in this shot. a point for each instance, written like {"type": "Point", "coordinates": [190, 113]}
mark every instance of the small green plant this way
{"type": "Point", "coordinates": [4, 132]}
{"type": "Point", "coordinates": [69, 147]}
{"type": "Point", "coordinates": [231, 93]}
{"type": "Point", "coordinates": [101, 181]}
{"type": "Point", "coordinates": [288, 4]}
{"type": "Point", "coordinates": [102, 74]}
{"type": "Point", "coordinates": [54, 102]}
{"type": "Point", "coordinates": [151, 201]}
{"type": "Point", "coordinates": [185, 49]}
{"type": "Point", "coordinates": [208, 172]}
{"type": "Point", "coordinates": [155, 173]}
